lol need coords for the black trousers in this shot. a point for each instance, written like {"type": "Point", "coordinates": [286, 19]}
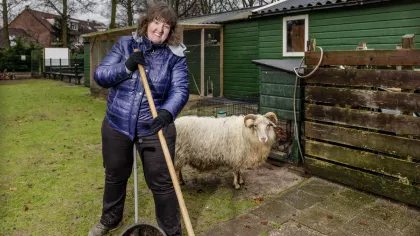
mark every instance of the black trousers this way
{"type": "Point", "coordinates": [117, 153]}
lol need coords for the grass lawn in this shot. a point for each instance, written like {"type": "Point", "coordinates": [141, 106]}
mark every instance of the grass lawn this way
{"type": "Point", "coordinates": [51, 174]}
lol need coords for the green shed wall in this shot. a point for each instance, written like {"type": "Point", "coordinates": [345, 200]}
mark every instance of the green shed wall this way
{"type": "Point", "coordinates": [270, 38]}
{"type": "Point", "coordinates": [277, 90]}
{"type": "Point", "coordinates": [381, 26]}
{"type": "Point", "coordinates": [240, 48]}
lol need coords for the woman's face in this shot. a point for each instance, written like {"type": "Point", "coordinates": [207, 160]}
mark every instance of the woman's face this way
{"type": "Point", "coordinates": [157, 31]}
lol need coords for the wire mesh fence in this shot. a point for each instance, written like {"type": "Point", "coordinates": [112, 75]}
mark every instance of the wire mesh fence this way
{"type": "Point", "coordinates": [226, 107]}
{"type": "Point", "coordinates": [20, 63]}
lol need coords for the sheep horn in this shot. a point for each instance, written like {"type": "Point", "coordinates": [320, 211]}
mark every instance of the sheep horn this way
{"type": "Point", "coordinates": [249, 116]}
{"type": "Point", "coordinates": [271, 116]}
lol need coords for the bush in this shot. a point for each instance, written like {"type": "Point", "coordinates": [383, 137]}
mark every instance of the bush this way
{"type": "Point", "coordinates": [11, 59]}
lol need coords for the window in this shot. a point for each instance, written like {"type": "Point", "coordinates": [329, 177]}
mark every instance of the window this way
{"type": "Point", "coordinates": [73, 25]}
{"type": "Point", "coordinates": [295, 35]}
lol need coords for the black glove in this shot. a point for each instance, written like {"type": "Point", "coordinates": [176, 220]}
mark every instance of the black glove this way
{"type": "Point", "coordinates": [135, 59]}
{"type": "Point", "coordinates": [164, 118]}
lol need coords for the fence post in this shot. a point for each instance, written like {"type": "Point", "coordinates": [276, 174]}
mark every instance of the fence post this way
{"type": "Point", "coordinates": [50, 68]}
{"type": "Point", "coordinates": [407, 43]}
{"type": "Point", "coordinates": [75, 71]}
{"type": "Point", "coordinates": [59, 69]}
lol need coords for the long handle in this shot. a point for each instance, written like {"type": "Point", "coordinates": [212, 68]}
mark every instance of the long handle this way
{"type": "Point", "coordinates": [167, 155]}
{"type": "Point", "coordinates": [136, 203]}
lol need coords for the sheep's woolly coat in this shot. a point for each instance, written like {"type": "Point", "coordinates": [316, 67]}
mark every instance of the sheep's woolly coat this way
{"type": "Point", "coordinates": [206, 143]}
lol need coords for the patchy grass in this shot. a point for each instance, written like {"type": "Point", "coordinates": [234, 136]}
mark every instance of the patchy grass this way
{"type": "Point", "coordinates": [51, 174]}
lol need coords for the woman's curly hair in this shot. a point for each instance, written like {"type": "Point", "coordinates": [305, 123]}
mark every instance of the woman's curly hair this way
{"type": "Point", "coordinates": [161, 12]}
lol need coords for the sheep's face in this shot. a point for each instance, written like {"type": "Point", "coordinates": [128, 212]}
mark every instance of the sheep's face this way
{"type": "Point", "coordinates": [262, 126]}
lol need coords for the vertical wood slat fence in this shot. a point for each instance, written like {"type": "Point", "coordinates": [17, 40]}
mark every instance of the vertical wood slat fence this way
{"type": "Point", "coordinates": [357, 130]}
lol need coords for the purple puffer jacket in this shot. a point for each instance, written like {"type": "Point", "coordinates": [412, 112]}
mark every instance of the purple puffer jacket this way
{"type": "Point", "coordinates": [127, 108]}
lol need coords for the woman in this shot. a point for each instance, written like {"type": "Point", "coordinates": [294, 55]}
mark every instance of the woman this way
{"type": "Point", "coordinates": [129, 121]}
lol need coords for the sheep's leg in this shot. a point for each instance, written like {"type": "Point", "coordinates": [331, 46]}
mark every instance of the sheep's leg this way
{"type": "Point", "coordinates": [180, 179]}
{"type": "Point", "coordinates": [235, 180]}
{"type": "Point", "coordinates": [241, 180]}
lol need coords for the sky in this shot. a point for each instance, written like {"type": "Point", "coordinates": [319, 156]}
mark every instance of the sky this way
{"type": "Point", "coordinates": [92, 16]}
{"type": "Point", "coordinates": [97, 16]}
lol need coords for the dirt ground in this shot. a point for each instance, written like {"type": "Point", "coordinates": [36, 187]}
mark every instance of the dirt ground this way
{"type": "Point", "coordinates": [263, 181]}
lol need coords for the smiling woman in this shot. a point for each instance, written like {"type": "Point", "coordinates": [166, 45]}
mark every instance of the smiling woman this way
{"type": "Point", "coordinates": [159, 25]}
{"type": "Point", "coordinates": [128, 119]}
{"type": "Point", "coordinates": [158, 31]}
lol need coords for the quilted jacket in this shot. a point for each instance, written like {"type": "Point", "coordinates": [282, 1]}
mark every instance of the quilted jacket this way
{"type": "Point", "coordinates": [127, 108]}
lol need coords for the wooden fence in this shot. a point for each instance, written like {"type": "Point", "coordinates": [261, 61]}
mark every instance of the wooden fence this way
{"type": "Point", "coordinates": [358, 130]}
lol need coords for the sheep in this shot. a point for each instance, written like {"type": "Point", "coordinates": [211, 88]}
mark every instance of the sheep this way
{"type": "Point", "coordinates": [238, 142]}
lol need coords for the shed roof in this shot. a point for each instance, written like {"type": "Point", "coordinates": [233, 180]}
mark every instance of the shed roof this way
{"type": "Point", "coordinates": [284, 64]}
{"type": "Point", "coordinates": [218, 18]}
{"type": "Point", "coordinates": [283, 6]}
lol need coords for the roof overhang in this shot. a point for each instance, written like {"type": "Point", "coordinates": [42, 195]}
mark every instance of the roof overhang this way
{"type": "Point", "coordinates": [129, 29]}
{"type": "Point", "coordinates": [257, 13]}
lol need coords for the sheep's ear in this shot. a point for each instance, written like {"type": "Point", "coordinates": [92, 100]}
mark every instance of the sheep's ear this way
{"type": "Point", "coordinates": [249, 120]}
{"type": "Point", "coordinates": [271, 116]}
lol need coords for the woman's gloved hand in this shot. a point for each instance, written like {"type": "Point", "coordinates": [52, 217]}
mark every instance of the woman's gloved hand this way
{"type": "Point", "coordinates": [134, 59]}
{"type": "Point", "coordinates": [163, 119]}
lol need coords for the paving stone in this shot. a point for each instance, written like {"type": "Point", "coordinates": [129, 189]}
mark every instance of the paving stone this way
{"type": "Point", "coordinates": [342, 206]}
{"type": "Point", "coordinates": [320, 187]}
{"type": "Point", "coordinates": [320, 219]}
{"type": "Point", "coordinates": [359, 196]}
{"type": "Point", "coordinates": [413, 229]}
{"type": "Point", "coordinates": [341, 232]}
{"type": "Point", "coordinates": [293, 228]}
{"type": "Point", "coordinates": [362, 225]}
{"type": "Point", "coordinates": [245, 225]}
{"type": "Point", "coordinates": [300, 199]}
{"type": "Point", "coordinates": [392, 213]}
{"type": "Point", "coordinates": [276, 211]}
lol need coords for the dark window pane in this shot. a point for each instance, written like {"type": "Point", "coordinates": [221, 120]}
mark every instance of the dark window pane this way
{"type": "Point", "coordinates": [295, 36]}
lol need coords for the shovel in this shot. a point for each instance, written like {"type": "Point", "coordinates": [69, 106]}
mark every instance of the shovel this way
{"type": "Point", "coordinates": [140, 229]}
{"type": "Point", "coordinates": [168, 159]}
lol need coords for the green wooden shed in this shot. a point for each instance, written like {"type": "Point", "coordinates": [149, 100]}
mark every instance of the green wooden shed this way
{"type": "Point", "coordinates": [280, 30]}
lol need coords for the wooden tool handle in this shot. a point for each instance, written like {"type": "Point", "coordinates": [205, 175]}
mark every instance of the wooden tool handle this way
{"type": "Point", "coordinates": [168, 159]}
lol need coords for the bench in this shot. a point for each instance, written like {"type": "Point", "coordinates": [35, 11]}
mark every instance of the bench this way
{"type": "Point", "coordinates": [61, 72]}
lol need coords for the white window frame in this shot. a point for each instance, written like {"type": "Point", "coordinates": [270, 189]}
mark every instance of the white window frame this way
{"type": "Point", "coordinates": [73, 25]}
{"type": "Point", "coordinates": [288, 18]}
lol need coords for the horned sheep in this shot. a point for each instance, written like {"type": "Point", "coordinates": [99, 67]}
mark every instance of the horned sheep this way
{"type": "Point", "coordinates": [238, 142]}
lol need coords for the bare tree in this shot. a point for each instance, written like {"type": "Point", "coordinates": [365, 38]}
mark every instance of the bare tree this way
{"type": "Point", "coordinates": [183, 8]}
{"type": "Point", "coordinates": [65, 8]}
{"type": "Point", "coordinates": [113, 14]}
{"type": "Point", "coordinates": [130, 10]}
{"type": "Point", "coordinates": [7, 9]}
{"type": "Point", "coordinates": [5, 23]}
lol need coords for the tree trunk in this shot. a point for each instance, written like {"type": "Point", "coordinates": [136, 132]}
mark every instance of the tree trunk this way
{"type": "Point", "coordinates": [64, 20]}
{"type": "Point", "coordinates": [130, 12]}
{"type": "Point", "coordinates": [5, 26]}
{"type": "Point", "coordinates": [113, 14]}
